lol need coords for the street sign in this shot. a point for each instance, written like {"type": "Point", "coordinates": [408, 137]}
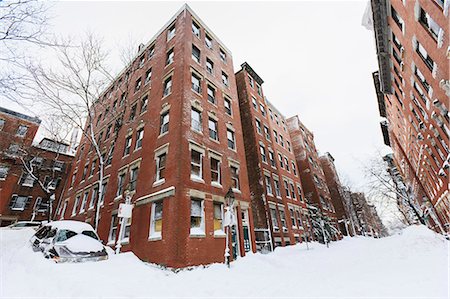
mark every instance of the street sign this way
{"type": "Point", "coordinates": [125, 210]}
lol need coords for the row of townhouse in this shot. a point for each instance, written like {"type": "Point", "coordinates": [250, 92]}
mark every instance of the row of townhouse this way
{"type": "Point", "coordinates": [413, 89]}
{"type": "Point", "coordinates": [179, 133]}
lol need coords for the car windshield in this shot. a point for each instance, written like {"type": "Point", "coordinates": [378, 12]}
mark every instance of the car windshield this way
{"type": "Point", "coordinates": [64, 234]}
{"type": "Point", "coordinates": [42, 232]}
{"type": "Point", "coordinates": [90, 234]}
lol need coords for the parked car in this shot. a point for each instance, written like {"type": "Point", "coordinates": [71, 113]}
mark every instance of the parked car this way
{"type": "Point", "coordinates": [69, 241]}
{"type": "Point", "coordinates": [24, 224]}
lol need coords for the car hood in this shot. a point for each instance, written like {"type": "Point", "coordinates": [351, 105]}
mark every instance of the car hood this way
{"type": "Point", "coordinates": [82, 243]}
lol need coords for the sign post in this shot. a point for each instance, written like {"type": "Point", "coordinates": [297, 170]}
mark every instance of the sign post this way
{"type": "Point", "coordinates": [125, 211]}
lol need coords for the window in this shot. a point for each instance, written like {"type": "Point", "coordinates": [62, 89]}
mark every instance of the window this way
{"type": "Point", "coordinates": [196, 29]}
{"type": "Point", "coordinates": [171, 32]}
{"type": "Point", "coordinates": [288, 146]}
{"type": "Point", "coordinates": [281, 141]}
{"type": "Point", "coordinates": [160, 167]}
{"type": "Point", "coordinates": [197, 217]}
{"type": "Point", "coordinates": [280, 159]}
{"type": "Point", "coordinates": [273, 215]}
{"type": "Point", "coordinates": [209, 65]}
{"type": "Point", "coordinates": [215, 171]}
{"type": "Point", "coordinates": [148, 76]}
{"type": "Point", "coordinates": [113, 229]}
{"type": "Point", "coordinates": [41, 205]}
{"type": "Point", "coordinates": [196, 54]}
{"type": "Point", "coordinates": [268, 185]}
{"type": "Point", "coordinates": [110, 154]}
{"type": "Point", "coordinates": [138, 84]}
{"type": "Point", "coordinates": [223, 55]}
{"type": "Point", "coordinates": [75, 205]}
{"type": "Point", "coordinates": [74, 175]}
{"type": "Point", "coordinates": [294, 169]}
{"type": "Point", "coordinates": [263, 110]}
{"type": "Point", "coordinates": [286, 188]}
{"type": "Point", "coordinates": [156, 219]}
{"type": "Point", "coordinates": [120, 184]}
{"type": "Point", "coordinates": [3, 172]}
{"type": "Point", "coordinates": [27, 180]}
{"type": "Point", "coordinates": [93, 197]}
{"type": "Point", "coordinates": [250, 81]}
{"type": "Point", "coordinates": [258, 126]}
{"type": "Point", "coordinates": [271, 158]}
{"type": "Point", "coordinates": [299, 219]}
{"type": "Point", "coordinates": [422, 78]}
{"type": "Point", "coordinates": [258, 88]}
{"type": "Point", "coordinates": [208, 41]}
{"type": "Point", "coordinates": [262, 151]}
{"type": "Point", "coordinates": [139, 137]}
{"type": "Point", "coordinates": [291, 213]}
{"type": "Point", "coordinates": [144, 104]}
{"type": "Point", "coordinates": [127, 148]}
{"type": "Point", "coordinates": [18, 203]}
{"type": "Point", "coordinates": [286, 162]}
{"type": "Point", "coordinates": [170, 56]}
{"type": "Point", "coordinates": [218, 218]}
{"type": "Point", "coordinates": [196, 120]}
{"type": "Point", "coordinates": [275, 135]}
{"type": "Point", "coordinates": [227, 104]}
{"type": "Point", "coordinates": [22, 131]}
{"type": "Point", "coordinates": [2, 124]}
{"type": "Point", "coordinates": [231, 139]}
{"type": "Point", "coordinates": [235, 177]}
{"type": "Point", "coordinates": [429, 24]}
{"type": "Point", "coordinates": [133, 112]}
{"type": "Point", "coordinates": [316, 180]}
{"type": "Point", "coordinates": [108, 132]}
{"type": "Point", "coordinates": [84, 201]}
{"type": "Point", "coordinates": [133, 177]}
{"type": "Point", "coordinates": [276, 183]}
{"type": "Point", "coordinates": [167, 86]}
{"type": "Point", "coordinates": [151, 51]}
{"type": "Point", "coordinates": [267, 132]}
{"type": "Point", "coordinates": [196, 164]}
{"type": "Point", "coordinates": [283, 220]}
{"type": "Point", "coordinates": [398, 20]}
{"type": "Point", "coordinates": [254, 102]}
{"type": "Point", "coordinates": [225, 79]}
{"type": "Point", "coordinates": [195, 80]}
{"type": "Point", "coordinates": [211, 94]}
{"type": "Point", "coordinates": [299, 190]}
{"type": "Point", "coordinates": [212, 125]}
{"type": "Point", "coordinates": [293, 191]}
{"type": "Point", "coordinates": [102, 198]}
{"type": "Point", "coordinates": [93, 166]}
{"type": "Point", "coordinates": [164, 123]}
{"type": "Point", "coordinates": [425, 57]}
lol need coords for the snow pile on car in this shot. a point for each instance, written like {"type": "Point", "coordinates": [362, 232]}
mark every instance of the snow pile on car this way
{"type": "Point", "coordinates": [82, 243]}
{"type": "Point", "coordinates": [411, 264]}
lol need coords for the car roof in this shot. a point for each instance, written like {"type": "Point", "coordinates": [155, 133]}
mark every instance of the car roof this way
{"type": "Point", "coordinates": [76, 226]}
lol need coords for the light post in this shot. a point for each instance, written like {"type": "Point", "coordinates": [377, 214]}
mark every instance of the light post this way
{"type": "Point", "coordinates": [229, 221]}
{"type": "Point", "coordinates": [125, 210]}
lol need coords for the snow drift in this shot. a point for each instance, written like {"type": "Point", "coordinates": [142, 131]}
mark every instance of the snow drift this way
{"type": "Point", "coordinates": [411, 264]}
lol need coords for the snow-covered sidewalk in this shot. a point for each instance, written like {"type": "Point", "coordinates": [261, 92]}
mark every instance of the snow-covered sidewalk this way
{"type": "Point", "coordinates": [411, 265]}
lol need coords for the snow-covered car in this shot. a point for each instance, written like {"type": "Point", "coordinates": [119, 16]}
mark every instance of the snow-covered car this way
{"type": "Point", "coordinates": [69, 241]}
{"type": "Point", "coordinates": [24, 224]}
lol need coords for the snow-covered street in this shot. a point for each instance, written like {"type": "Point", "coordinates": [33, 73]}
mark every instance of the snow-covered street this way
{"type": "Point", "coordinates": [413, 264]}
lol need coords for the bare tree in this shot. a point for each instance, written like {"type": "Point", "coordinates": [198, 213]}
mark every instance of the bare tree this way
{"type": "Point", "coordinates": [75, 90]}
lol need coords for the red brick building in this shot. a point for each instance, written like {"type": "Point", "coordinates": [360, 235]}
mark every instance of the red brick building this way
{"type": "Point", "coordinates": [20, 193]}
{"type": "Point", "coordinates": [340, 204]}
{"type": "Point", "coordinates": [277, 197]}
{"type": "Point", "coordinates": [413, 90]}
{"type": "Point", "coordinates": [179, 150]}
{"type": "Point", "coordinates": [311, 172]}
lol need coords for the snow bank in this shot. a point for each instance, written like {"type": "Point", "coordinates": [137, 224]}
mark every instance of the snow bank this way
{"type": "Point", "coordinates": [411, 264]}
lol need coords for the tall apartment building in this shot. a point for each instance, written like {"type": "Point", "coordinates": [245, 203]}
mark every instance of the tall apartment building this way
{"type": "Point", "coordinates": [311, 172]}
{"type": "Point", "coordinates": [413, 91]}
{"type": "Point", "coordinates": [340, 204]}
{"type": "Point", "coordinates": [179, 150]}
{"type": "Point", "coordinates": [277, 196]}
{"type": "Point", "coordinates": [369, 223]}
{"type": "Point", "coordinates": [21, 196]}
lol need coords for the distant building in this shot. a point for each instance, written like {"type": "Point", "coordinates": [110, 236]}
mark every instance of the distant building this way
{"type": "Point", "coordinates": [340, 204]}
{"type": "Point", "coordinates": [369, 223]}
{"type": "Point", "coordinates": [311, 172]}
{"type": "Point", "coordinates": [21, 196]}
{"type": "Point", "coordinates": [413, 89]}
{"type": "Point", "coordinates": [278, 202]}
{"type": "Point", "coordinates": [178, 149]}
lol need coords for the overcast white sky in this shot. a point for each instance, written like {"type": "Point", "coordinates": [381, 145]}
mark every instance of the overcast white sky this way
{"type": "Point", "coordinates": [315, 58]}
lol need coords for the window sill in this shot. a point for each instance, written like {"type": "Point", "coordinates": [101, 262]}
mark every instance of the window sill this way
{"type": "Point", "coordinates": [137, 149]}
{"type": "Point", "coordinates": [154, 238]}
{"type": "Point", "coordinates": [220, 234]}
{"type": "Point", "coordinates": [214, 140]}
{"type": "Point", "coordinates": [163, 134]}
{"type": "Point", "coordinates": [165, 96]}
{"type": "Point", "coordinates": [159, 182]}
{"type": "Point", "coordinates": [118, 198]}
{"type": "Point", "coordinates": [197, 132]}
{"type": "Point", "coordinates": [15, 209]}
{"type": "Point", "coordinates": [197, 236]}
{"type": "Point", "coordinates": [217, 185]}
{"type": "Point", "coordinates": [197, 179]}
{"type": "Point", "coordinates": [236, 190]}
{"type": "Point", "coordinates": [125, 156]}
